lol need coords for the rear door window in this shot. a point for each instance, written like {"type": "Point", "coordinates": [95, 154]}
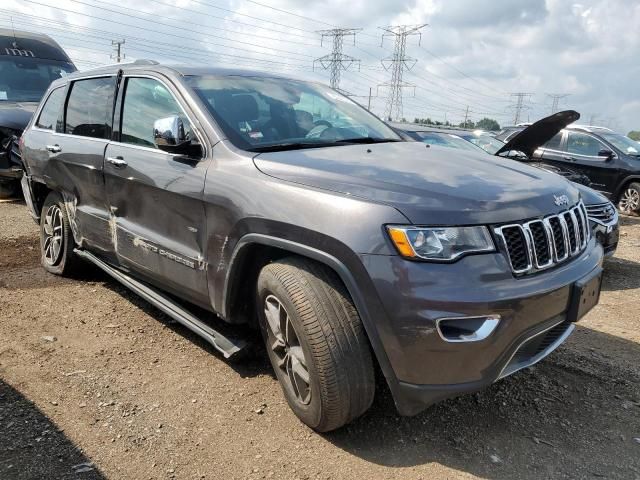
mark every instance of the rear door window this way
{"type": "Point", "coordinates": [50, 112]}
{"type": "Point", "coordinates": [90, 108]}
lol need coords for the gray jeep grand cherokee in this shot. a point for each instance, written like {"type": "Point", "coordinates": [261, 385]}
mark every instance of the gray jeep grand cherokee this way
{"type": "Point", "coordinates": [249, 198]}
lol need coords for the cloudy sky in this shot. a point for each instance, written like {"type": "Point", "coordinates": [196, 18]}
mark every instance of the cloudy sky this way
{"type": "Point", "coordinates": [472, 53]}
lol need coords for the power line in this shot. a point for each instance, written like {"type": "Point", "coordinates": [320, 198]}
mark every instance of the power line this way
{"type": "Point", "coordinates": [337, 61]}
{"type": "Point", "coordinates": [556, 97]}
{"type": "Point", "coordinates": [208, 26]}
{"type": "Point", "coordinates": [519, 106]}
{"type": "Point", "coordinates": [397, 63]}
{"type": "Point", "coordinates": [291, 13]}
{"type": "Point", "coordinates": [179, 27]}
{"type": "Point", "coordinates": [117, 50]}
{"type": "Point", "coordinates": [167, 47]}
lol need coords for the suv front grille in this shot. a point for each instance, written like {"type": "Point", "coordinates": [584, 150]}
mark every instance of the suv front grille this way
{"type": "Point", "coordinates": [543, 243]}
{"type": "Point", "coordinates": [602, 212]}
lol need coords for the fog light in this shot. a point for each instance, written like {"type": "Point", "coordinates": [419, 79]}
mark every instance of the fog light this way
{"type": "Point", "coordinates": [467, 329]}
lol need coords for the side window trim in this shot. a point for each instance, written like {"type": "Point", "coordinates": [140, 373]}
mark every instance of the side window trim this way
{"type": "Point", "coordinates": [122, 94]}
{"type": "Point", "coordinates": [44, 104]}
{"type": "Point", "coordinates": [69, 90]}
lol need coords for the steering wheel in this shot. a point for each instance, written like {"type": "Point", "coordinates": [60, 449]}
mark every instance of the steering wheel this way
{"type": "Point", "coordinates": [320, 126]}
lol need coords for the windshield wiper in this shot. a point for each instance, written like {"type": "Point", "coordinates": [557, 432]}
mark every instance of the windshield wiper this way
{"type": "Point", "coordinates": [281, 147]}
{"type": "Point", "coordinates": [367, 140]}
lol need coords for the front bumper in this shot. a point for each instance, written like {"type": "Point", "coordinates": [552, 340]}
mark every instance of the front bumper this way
{"type": "Point", "coordinates": [415, 295]}
{"type": "Point", "coordinates": [608, 236]}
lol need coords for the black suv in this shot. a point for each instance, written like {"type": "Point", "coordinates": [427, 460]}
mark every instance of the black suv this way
{"type": "Point", "coordinates": [29, 62]}
{"type": "Point", "coordinates": [609, 159]}
{"type": "Point", "coordinates": [235, 197]}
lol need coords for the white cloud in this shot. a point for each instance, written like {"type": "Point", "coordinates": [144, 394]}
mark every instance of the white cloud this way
{"type": "Point", "coordinates": [589, 49]}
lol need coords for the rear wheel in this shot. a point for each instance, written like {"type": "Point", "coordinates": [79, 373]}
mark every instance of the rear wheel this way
{"type": "Point", "coordinates": [56, 237]}
{"type": "Point", "coordinates": [630, 199]}
{"type": "Point", "coordinates": [316, 343]}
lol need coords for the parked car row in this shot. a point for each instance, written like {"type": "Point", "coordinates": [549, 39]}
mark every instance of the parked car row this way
{"type": "Point", "coordinates": [610, 160]}
{"type": "Point", "coordinates": [525, 147]}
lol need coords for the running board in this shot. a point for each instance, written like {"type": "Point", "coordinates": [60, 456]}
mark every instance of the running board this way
{"type": "Point", "coordinates": [229, 347]}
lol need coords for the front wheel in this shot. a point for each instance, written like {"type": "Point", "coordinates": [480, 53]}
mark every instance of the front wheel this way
{"type": "Point", "coordinates": [316, 343]}
{"type": "Point", "coordinates": [629, 203]}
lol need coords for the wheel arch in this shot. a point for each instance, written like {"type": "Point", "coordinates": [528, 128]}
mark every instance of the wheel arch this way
{"type": "Point", "coordinates": [624, 184]}
{"type": "Point", "coordinates": [253, 251]}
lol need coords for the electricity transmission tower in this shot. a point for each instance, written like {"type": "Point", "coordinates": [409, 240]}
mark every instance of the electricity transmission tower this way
{"type": "Point", "coordinates": [337, 61]}
{"type": "Point", "coordinates": [397, 63]}
{"type": "Point", "coordinates": [519, 106]}
{"type": "Point", "coordinates": [556, 97]}
{"type": "Point", "coordinates": [117, 54]}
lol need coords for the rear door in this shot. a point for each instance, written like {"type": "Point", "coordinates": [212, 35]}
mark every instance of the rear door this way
{"type": "Point", "coordinates": [70, 152]}
{"type": "Point", "coordinates": [156, 197]}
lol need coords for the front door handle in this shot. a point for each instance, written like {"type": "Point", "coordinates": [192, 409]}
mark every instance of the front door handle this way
{"type": "Point", "coordinates": [569, 159]}
{"type": "Point", "coordinates": [117, 162]}
{"type": "Point", "coordinates": [54, 148]}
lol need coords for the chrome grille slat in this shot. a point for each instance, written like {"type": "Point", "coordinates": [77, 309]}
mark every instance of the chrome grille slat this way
{"type": "Point", "coordinates": [542, 243]}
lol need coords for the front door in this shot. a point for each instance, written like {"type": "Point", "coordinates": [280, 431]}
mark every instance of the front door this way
{"type": "Point", "coordinates": [580, 153]}
{"type": "Point", "coordinates": [156, 197]}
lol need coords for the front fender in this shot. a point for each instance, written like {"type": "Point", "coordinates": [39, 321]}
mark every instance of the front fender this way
{"type": "Point", "coordinates": [354, 276]}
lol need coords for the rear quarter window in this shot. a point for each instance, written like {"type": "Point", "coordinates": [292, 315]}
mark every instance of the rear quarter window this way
{"type": "Point", "coordinates": [90, 108]}
{"type": "Point", "coordinates": [51, 110]}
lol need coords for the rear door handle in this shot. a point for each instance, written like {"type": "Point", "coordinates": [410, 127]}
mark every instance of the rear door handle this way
{"type": "Point", "coordinates": [569, 159]}
{"type": "Point", "coordinates": [54, 148]}
{"type": "Point", "coordinates": [117, 162]}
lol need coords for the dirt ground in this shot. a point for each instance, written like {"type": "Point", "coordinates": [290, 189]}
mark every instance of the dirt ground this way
{"type": "Point", "coordinates": [95, 383]}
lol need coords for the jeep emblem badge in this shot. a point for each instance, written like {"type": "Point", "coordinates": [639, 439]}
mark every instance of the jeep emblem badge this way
{"type": "Point", "coordinates": [560, 200]}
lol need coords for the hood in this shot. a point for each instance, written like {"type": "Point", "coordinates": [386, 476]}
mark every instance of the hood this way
{"type": "Point", "coordinates": [590, 196]}
{"type": "Point", "coordinates": [16, 115]}
{"type": "Point", "coordinates": [539, 133]}
{"type": "Point", "coordinates": [429, 185]}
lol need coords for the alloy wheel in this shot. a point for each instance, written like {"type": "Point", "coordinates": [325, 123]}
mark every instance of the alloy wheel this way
{"type": "Point", "coordinates": [630, 201]}
{"type": "Point", "coordinates": [285, 345]}
{"type": "Point", "coordinates": [53, 230]}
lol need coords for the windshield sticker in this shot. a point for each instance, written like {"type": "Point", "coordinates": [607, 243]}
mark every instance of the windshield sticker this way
{"type": "Point", "coordinates": [3, 95]}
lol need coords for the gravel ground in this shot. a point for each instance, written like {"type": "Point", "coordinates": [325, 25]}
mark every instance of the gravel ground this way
{"type": "Point", "coordinates": [95, 383]}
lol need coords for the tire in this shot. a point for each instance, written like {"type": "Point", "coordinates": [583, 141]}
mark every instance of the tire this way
{"type": "Point", "coordinates": [629, 202]}
{"type": "Point", "coordinates": [8, 188]}
{"type": "Point", "coordinates": [55, 230]}
{"type": "Point", "coordinates": [324, 337]}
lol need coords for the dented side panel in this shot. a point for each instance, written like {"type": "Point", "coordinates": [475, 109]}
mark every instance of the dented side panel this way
{"type": "Point", "coordinates": [157, 218]}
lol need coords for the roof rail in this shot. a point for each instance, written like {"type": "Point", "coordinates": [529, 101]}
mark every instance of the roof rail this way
{"type": "Point", "coordinates": [145, 61]}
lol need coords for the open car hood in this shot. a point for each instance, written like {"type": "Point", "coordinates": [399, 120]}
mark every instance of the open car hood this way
{"type": "Point", "coordinates": [539, 133]}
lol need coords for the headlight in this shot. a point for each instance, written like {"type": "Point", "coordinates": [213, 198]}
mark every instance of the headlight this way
{"type": "Point", "coordinates": [440, 243]}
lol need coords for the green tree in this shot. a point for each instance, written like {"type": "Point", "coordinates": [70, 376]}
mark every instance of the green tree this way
{"type": "Point", "coordinates": [634, 135]}
{"type": "Point", "coordinates": [488, 124]}
{"type": "Point", "coordinates": [468, 124]}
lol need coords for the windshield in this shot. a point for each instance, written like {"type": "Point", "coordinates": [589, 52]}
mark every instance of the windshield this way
{"type": "Point", "coordinates": [26, 79]}
{"type": "Point", "coordinates": [270, 114]}
{"type": "Point", "coordinates": [486, 142]}
{"type": "Point", "coordinates": [446, 140]}
{"type": "Point", "coordinates": [623, 143]}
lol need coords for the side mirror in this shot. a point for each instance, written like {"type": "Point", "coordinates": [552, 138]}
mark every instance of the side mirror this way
{"type": "Point", "coordinates": [169, 132]}
{"type": "Point", "coordinates": [605, 152]}
{"type": "Point", "coordinates": [169, 136]}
